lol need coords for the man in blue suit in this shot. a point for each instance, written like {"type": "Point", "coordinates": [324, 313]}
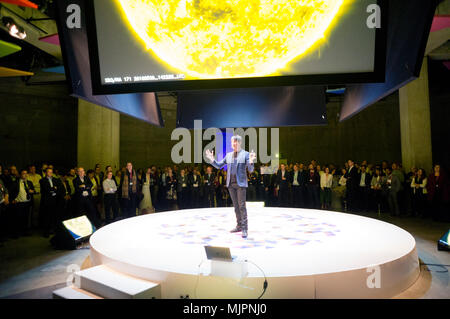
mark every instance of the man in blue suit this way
{"type": "Point", "coordinates": [238, 161]}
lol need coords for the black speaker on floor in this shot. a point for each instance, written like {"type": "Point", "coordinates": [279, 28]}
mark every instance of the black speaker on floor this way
{"type": "Point", "coordinates": [72, 232]}
{"type": "Point", "coordinates": [443, 243]}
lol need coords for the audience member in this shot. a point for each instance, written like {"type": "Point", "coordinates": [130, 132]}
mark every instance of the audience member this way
{"type": "Point", "coordinates": [209, 187]}
{"type": "Point", "coordinates": [376, 185]}
{"type": "Point", "coordinates": [392, 187]}
{"type": "Point", "coordinates": [83, 196]}
{"type": "Point", "coordinates": [51, 194]}
{"type": "Point", "coordinates": [298, 185]}
{"type": "Point", "coordinates": [326, 181]}
{"type": "Point", "coordinates": [364, 187]}
{"type": "Point", "coordinates": [365, 180]}
{"type": "Point", "coordinates": [146, 205]}
{"type": "Point", "coordinates": [438, 190]}
{"type": "Point", "coordinates": [171, 184]}
{"type": "Point", "coordinates": [312, 187]}
{"type": "Point", "coordinates": [130, 188]}
{"type": "Point", "coordinates": [283, 186]}
{"type": "Point", "coordinates": [36, 204]}
{"type": "Point", "coordinates": [110, 198]}
{"type": "Point", "coordinates": [419, 193]}
{"type": "Point", "coordinates": [352, 184]}
{"type": "Point", "coordinates": [21, 196]}
{"type": "Point", "coordinates": [4, 202]}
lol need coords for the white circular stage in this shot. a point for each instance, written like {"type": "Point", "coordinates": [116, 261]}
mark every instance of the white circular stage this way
{"type": "Point", "coordinates": [303, 253]}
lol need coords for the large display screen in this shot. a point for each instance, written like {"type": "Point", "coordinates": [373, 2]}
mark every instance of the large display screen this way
{"type": "Point", "coordinates": [153, 45]}
{"type": "Point", "coordinates": [406, 43]}
{"type": "Point", "coordinates": [74, 46]}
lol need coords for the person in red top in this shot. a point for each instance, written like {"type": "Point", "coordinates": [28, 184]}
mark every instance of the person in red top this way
{"type": "Point", "coordinates": [438, 189]}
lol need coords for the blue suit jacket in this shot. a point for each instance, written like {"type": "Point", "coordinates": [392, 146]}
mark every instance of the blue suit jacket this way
{"type": "Point", "coordinates": [242, 164]}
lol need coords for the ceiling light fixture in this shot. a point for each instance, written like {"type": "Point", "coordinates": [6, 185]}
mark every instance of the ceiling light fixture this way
{"type": "Point", "coordinates": [14, 29]}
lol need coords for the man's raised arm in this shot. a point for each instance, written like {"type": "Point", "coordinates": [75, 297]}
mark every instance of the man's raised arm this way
{"type": "Point", "coordinates": [214, 163]}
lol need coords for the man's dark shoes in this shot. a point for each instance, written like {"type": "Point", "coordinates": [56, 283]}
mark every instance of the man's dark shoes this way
{"type": "Point", "coordinates": [244, 233]}
{"type": "Point", "coordinates": [236, 230]}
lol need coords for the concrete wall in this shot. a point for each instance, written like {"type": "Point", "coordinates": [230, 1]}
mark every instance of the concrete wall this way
{"type": "Point", "coordinates": [40, 123]}
{"type": "Point", "coordinates": [37, 123]}
{"type": "Point", "coordinates": [373, 135]}
{"type": "Point", "coordinates": [144, 144]}
{"type": "Point", "coordinates": [98, 136]}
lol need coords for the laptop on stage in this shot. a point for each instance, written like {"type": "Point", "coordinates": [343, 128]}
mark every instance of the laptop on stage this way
{"type": "Point", "coordinates": [218, 253]}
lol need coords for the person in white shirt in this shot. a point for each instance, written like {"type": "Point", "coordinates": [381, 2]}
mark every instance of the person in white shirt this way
{"type": "Point", "coordinates": [419, 190]}
{"type": "Point", "coordinates": [326, 181]}
{"type": "Point", "coordinates": [110, 198]}
{"type": "Point", "coordinates": [298, 184]}
{"type": "Point", "coordinates": [283, 179]}
{"type": "Point", "coordinates": [343, 180]}
{"type": "Point", "coordinates": [365, 180]}
{"type": "Point", "coordinates": [22, 198]}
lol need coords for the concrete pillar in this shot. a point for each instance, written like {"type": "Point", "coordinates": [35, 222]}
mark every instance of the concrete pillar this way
{"type": "Point", "coordinates": [415, 123]}
{"type": "Point", "coordinates": [98, 136]}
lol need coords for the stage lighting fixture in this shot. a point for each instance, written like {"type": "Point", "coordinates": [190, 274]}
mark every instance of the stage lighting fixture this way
{"type": "Point", "coordinates": [444, 242]}
{"type": "Point", "coordinates": [14, 29]}
{"type": "Point", "coordinates": [72, 232]}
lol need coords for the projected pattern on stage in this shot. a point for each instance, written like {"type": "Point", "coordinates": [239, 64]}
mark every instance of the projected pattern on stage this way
{"type": "Point", "coordinates": [268, 231]}
{"type": "Point", "coordinates": [304, 253]}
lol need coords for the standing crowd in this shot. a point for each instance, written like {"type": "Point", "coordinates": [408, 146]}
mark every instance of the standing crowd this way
{"type": "Point", "coordinates": [31, 199]}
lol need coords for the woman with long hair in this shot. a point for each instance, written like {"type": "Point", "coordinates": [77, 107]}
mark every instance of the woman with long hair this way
{"type": "Point", "coordinates": [376, 187]}
{"type": "Point", "coordinates": [341, 189]}
{"type": "Point", "coordinates": [140, 174]}
{"type": "Point", "coordinates": [146, 205]}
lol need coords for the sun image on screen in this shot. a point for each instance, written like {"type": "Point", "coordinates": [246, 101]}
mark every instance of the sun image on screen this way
{"type": "Point", "coordinates": [230, 38]}
{"type": "Point", "coordinates": [172, 40]}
